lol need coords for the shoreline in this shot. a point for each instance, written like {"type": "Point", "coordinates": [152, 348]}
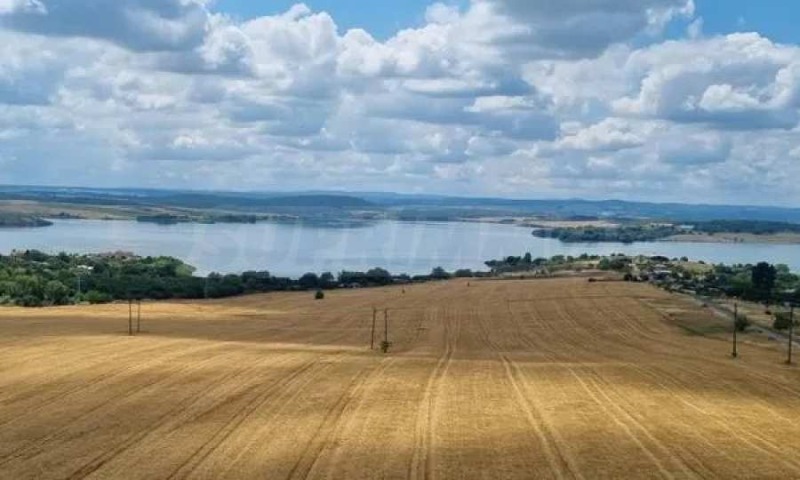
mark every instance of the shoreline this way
{"type": "Point", "coordinates": [737, 238]}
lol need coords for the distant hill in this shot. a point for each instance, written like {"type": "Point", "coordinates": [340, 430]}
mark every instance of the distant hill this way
{"type": "Point", "coordinates": [324, 205]}
{"type": "Point", "coordinates": [587, 208]}
{"type": "Point", "coordinates": [198, 200]}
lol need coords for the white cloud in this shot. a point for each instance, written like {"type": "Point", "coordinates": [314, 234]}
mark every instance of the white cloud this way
{"type": "Point", "coordinates": [525, 98]}
{"type": "Point", "coordinates": [740, 81]}
{"type": "Point", "coordinates": [22, 7]}
{"type": "Point", "coordinates": [136, 24]}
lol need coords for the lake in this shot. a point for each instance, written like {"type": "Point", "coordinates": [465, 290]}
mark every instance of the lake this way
{"type": "Point", "coordinates": [400, 247]}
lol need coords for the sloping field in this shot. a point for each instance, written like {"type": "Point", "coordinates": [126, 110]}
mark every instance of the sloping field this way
{"type": "Point", "coordinates": [517, 379]}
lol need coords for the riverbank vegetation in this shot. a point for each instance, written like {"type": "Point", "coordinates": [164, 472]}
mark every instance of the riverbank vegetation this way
{"type": "Point", "coordinates": [648, 232]}
{"type": "Point", "coordinates": [33, 279]}
{"type": "Point", "coordinates": [761, 282]}
{"type": "Point", "coordinates": [620, 234]}
{"type": "Point", "coordinates": [17, 220]}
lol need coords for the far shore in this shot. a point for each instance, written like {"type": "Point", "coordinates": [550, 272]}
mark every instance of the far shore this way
{"type": "Point", "coordinates": [771, 239]}
{"type": "Point", "coordinates": [784, 238]}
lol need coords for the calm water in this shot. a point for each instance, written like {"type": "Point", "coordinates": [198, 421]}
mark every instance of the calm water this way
{"type": "Point", "coordinates": [397, 246]}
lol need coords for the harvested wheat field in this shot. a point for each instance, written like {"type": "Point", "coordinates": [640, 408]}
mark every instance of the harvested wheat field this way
{"type": "Point", "coordinates": [502, 379]}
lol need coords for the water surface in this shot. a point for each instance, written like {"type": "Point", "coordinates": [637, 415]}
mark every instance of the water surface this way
{"type": "Point", "coordinates": [400, 247]}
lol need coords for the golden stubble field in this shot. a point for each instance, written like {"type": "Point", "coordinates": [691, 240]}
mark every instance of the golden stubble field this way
{"type": "Point", "coordinates": [506, 379]}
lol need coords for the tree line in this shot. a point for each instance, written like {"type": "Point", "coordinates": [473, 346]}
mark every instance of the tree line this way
{"type": "Point", "coordinates": [648, 232]}
{"type": "Point", "coordinates": [33, 279]}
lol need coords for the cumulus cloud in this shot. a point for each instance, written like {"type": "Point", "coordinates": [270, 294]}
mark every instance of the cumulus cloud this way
{"type": "Point", "coordinates": [137, 24]}
{"type": "Point", "coordinates": [576, 28]}
{"type": "Point", "coordinates": [8, 7]}
{"type": "Point", "coordinates": [525, 98]}
{"type": "Point", "coordinates": [740, 81]}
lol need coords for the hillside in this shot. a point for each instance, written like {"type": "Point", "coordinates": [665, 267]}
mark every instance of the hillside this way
{"type": "Point", "coordinates": [343, 207]}
{"type": "Point", "coordinates": [509, 379]}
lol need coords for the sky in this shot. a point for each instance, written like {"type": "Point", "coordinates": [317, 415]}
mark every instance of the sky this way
{"type": "Point", "coordinates": [655, 100]}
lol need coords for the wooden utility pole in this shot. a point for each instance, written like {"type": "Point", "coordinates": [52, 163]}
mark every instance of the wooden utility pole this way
{"type": "Point", "coordinates": [735, 352]}
{"type": "Point", "coordinates": [372, 335]}
{"type": "Point", "coordinates": [138, 316]}
{"type": "Point", "coordinates": [130, 317]}
{"type": "Point", "coordinates": [386, 326]}
{"type": "Point", "coordinates": [791, 333]}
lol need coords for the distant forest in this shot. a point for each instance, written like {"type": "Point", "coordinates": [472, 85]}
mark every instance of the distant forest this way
{"type": "Point", "coordinates": [653, 232]}
{"type": "Point", "coordinates": [33, 279]}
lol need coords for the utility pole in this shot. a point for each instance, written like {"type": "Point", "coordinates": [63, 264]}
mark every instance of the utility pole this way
{"type": "Point", "coordinates": [735, 352]}
{"type": "Point", "coordinates": [130, 317]}
{"type": "Point", "coordinates": [386, 326]}
{"type": "Point", "coordinates": [385, 342]}
{"type": "Point", "coordinates": [138, 315]}
{"type": "Point", "coordinates": [791, 332]}
{"type": "Point", "coordinates": [372, 335]}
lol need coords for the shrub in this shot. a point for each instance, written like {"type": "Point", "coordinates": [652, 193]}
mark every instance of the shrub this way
{"type": "Point", "coordinates": [320, 295]}
{"type": "Point", "coordinates": [94, 297]}
{"type": "Point", "coordinates": [782, 321]}
{"type": "Point", "coordinates": [742, 323]}
{"type": "Point", "coordinates": [30, 301]}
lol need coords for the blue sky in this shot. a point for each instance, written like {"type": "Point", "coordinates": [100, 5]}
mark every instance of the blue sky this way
{"type": "Point", "coordinates": [380, 18]}
{"type": "Point", "coordinates": [777, 19]}
{"type": "Point", "coordinates": [511, 98]}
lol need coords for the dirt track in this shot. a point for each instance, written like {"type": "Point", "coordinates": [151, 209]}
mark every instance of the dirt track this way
{"type": "Point", "coordinates": [539, 379]}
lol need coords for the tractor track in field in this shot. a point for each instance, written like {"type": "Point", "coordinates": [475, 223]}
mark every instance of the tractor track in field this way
{"type": "Point", "coordinates": [557, 378]}
{"type": "Point", "coordinates": [639, 434]}
{"type": "Point", "coordinates": [562, 464]}
{"type": "Point", "coordinates": [255, 397]}
{"type": "Point", "coordinates": [334, 420]}
{"type": "Point", "coordinates": [421, 466]}
{"type": "Point", "coordinates": [38, 445]}
{"type": "Point", "coordinates": [62, 395]}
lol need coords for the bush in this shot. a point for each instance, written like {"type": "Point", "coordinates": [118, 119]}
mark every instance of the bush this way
{"type": "Point", "coordinates": [320, 295]}
{"type": "Point", "coordinates": [94, 297]}
{"type": "Point", "coordinates": [30, 301]}
{"type": "Point", "coordinates": [782, 321]}
{"type": "Point", "coordinates": [742, 323]}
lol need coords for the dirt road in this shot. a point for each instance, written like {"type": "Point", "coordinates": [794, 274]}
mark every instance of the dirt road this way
{"type": "Point", "coordinates": [518, 379]}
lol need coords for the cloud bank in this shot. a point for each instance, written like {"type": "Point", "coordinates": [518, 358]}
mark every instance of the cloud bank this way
{"type": "Point", "coordinates": [523, 98]}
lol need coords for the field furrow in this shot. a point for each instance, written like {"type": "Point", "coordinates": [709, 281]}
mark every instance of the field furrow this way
{"type": "Point", "coordinates": [533, 379]}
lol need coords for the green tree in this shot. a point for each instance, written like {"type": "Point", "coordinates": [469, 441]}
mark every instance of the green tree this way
{"type": "Point", "coordinates": [56, 293]}
{"type": "Point", "coordinates": [327, 280]}
{"type": "Point", "coordinates": [94, 297]}
{"type": "Point", "coordinates": [308, 281]}
{"type": "Point", "coordinates": [763, 277]}
{"type": "Point", "coordinates": [379, 276]}
{"type": "Point", "coordinates": [439, 273]}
